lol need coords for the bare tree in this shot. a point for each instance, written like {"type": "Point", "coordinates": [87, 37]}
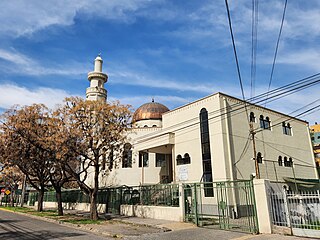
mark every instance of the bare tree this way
{"type": "Point", "coordinates": [24, 132]}
{"type": "Point", "coordinates": [11, 177]}
{"type": "Point", "coordinates": [96, 129]}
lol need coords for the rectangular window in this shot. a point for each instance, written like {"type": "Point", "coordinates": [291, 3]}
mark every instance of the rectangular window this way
{"type": "Point", "coordinates": [160, 160]}
{"type": "Point", "coordinates": [143, 159]}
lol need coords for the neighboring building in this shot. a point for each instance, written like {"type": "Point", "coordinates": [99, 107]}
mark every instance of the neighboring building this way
{"type": "Point", "coordinates": [208, 140]}
{"type": "Point", "coordinates": [315, 138]}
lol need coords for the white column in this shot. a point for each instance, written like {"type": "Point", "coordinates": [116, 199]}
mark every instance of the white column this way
{"type": "Point", "coordinates": [261, 187]}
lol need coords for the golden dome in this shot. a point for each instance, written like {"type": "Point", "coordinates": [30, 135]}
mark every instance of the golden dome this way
{"type": "Point", "coordinates": [152, 110]}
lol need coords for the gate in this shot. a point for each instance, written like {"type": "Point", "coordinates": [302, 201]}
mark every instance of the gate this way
{"type": "Point", "coordinates": [298, 213]}
{"type": "Point", "coordinates": [224, 205]}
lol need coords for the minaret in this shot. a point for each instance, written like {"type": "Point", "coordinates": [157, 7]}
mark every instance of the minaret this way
{"type": "Point", "coordinates": [96, 91]}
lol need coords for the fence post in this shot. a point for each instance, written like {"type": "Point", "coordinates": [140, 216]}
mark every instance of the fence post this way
{"type": "Point", "coordinates": [286, 209]}
{"type": "Point", "coordinates": [181, 202]}
{"type": "Point", "coordinates": [261, 188]}
{"type": "Point", "coordinates": [195, 201]}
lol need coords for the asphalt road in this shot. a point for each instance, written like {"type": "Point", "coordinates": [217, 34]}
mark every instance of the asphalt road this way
{"type": "Point", "coordinates": [21, 227]}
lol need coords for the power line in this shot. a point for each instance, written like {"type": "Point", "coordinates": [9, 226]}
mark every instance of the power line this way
{"type": "Point", "coordinates": [277, 45]}
{"type": "Point", "coordinates": [234, 49]}
{"type": "Point", "coordinates": [254, 42]}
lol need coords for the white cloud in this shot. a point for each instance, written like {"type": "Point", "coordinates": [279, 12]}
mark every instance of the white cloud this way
{"type": "Point", "coordinates": [19, 17]}
{"type": "Point", "coordinates": [28, 66]}
{"type": "Point", "coordinates": [13, 94]}
{"type": "Point", "coordinates": [140, 79]}
{"type": "Point", "coordinates": [307, 58]}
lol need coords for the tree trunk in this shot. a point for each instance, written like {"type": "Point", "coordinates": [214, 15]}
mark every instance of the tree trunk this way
{"type": "Point", "coordinates": [93, 206]}
{"type": "Point", "coordinates": [40, 199]}
{"type": "Point", "coordinates": [94, 193]}
{"type": "Point", "coordinates": [59, 200]}
{"type": "Point", "coordinates": [12, 198]}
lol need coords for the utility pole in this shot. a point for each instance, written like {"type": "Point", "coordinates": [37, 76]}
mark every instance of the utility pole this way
{"type": "Point", "coordinates": [252, 133]}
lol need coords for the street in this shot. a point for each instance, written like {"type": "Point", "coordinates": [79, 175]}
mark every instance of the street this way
{"type": "Point", "coordinates": [17, 226]}
{"type": "Point", "coordinates": [22, 227]}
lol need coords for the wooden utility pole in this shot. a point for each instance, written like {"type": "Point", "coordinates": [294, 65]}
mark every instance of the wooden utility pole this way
{"type": "Point", "coordinates": [252, 133]}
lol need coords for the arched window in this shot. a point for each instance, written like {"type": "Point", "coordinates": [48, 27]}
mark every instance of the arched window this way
{"type": "Point", "coordinates": [265, 123]}
{"type": "Point", "coordinates": [145, 126]}
{"type": "Point", "coordinates": [187, 158]}
{"type": "Point", "coordinates": [127, 156]}
{"type": "Point", "coordinates": [259, 157]}
{"type": "Point", "coordinates": [285, 161]}
{"type": "Point", "coordinates": [183, 160]}
{"type": "Point", "coordinates": [154, 125]}
{"type": "Point", "coordinates": [111, 160]}
{"type": "Point", "coordinates": [179, 160]}
{"type": "Point", "coordinates": [290, 163]}
{"type": "Point", "coordinates": [280, 161]}
{"type": "Point", "coordinates": [252, 117]}
{"type": "Point", "coordinates": [261, 121]}
{"type": "Point", "coordinates": [206, 153]}
{"type": "Point", "coordinates": [286, 129]}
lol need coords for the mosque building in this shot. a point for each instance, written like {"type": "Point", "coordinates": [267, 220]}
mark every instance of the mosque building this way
{"type": "Point", "coordinates": [208, 140]}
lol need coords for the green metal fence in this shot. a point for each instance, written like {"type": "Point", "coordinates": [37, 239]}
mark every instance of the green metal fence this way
{"type": "Point", "coordinates": [224, 205]}
{"type": "Point", "coordinates": [155, 195]}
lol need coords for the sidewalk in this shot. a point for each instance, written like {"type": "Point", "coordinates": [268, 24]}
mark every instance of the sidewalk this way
{"type": "Point", "coordinates": [122, 226]}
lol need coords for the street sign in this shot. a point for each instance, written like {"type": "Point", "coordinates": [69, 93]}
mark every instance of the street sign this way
{"type": "Point", "coordinates": [7, 192]}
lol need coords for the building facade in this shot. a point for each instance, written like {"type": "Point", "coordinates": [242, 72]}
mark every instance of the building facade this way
{"type": "Point", "coordinates": [210, 140]}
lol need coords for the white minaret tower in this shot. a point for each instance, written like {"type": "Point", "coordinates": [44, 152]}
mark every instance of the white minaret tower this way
{"type": "Point", "coordinates": [96, 91]}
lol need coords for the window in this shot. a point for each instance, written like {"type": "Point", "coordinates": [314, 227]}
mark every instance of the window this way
{"type": "Point", "coordinates": [286, 163]}
{"type": "Point", "coordinates": [252, 117]}
{"type": "Point", "coordinates": [143, 159]}
{"type": "Point", "coordinates": [280, 161]}
{"type": "Point", "coordinates": [160, 160]}
{"type": "Point", "coordinates": [290, 163]}
{"type": "Point", "coordinates": [286, 129]}
{"type": "Point", "coordinates": [206, 153]}
{"type": "Point", "coordinates": [127, 156]}
{"type": "Point", "coordinates": [265, 123]}
{"type": "Point", "coordinates": [183, 160]}
{"type": "Point", "coordinates": [187, 158]}
{"type": "Point", "coordinates": [103, 165]}
{"type": "Point", "coordinates": [259, 157]}
{"type": "Point", "coordinates": [110, 158]}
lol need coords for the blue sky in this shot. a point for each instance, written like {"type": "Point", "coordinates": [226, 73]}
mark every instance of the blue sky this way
{"type": "Point", "coordinates": [175, 51]}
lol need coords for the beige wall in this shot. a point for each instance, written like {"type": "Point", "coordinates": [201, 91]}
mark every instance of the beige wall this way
{"type": "Point", "coordinates": [231, 148]}
{"type": "Point", "coordinates": [272, 144]}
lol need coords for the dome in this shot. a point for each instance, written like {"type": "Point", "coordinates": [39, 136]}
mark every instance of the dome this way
{"type": "Point", "coordinates": [149, 111]}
